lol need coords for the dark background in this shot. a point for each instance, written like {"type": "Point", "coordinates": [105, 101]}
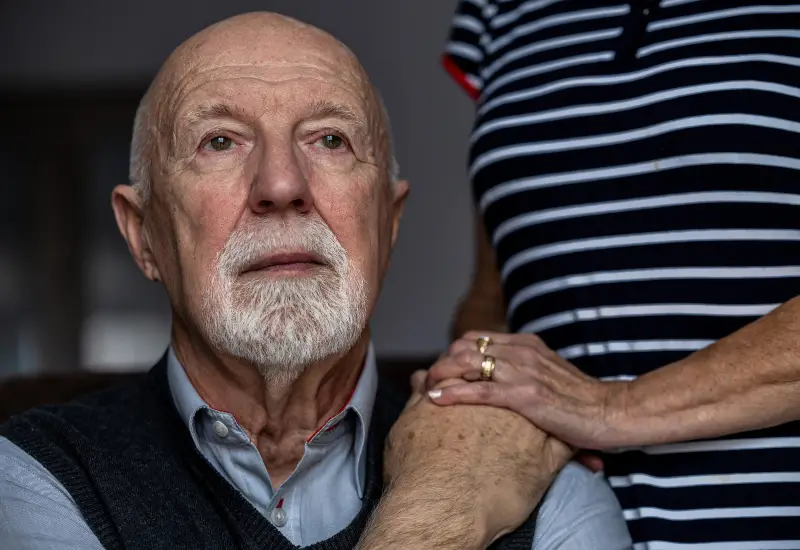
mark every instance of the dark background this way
{"type": "Point", "coordinates": [71, 75]}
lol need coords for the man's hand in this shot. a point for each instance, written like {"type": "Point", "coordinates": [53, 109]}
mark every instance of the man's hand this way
{"type": "Point", "coordinates": [469, 474]}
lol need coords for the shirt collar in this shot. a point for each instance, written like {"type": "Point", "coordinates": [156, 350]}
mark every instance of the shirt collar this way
{"type": "Point", "coordinates": [362, 403]}
{"type": "Point", "coordinates": [188, 403]}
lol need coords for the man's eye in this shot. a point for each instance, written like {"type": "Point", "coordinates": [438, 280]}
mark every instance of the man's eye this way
{"type": "Point", "coordinates": [331, 141]}
{"type": "Point", "coordinates": [219, 143]}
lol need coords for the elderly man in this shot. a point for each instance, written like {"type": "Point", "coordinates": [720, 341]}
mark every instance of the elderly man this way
{"type": "Point", "coordinates": [265, 200]}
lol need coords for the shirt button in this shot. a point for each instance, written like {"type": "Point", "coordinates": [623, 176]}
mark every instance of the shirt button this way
{"type": "Point", "coordinates": [220, 429]}
{"type": "Point", "coordinates": [278, 517]}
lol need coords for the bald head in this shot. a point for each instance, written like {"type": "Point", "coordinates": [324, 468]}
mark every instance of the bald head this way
{"type": "Point", "coordinates": [251, 40]}
{"type": "Point", "coordinates": [260, 160]}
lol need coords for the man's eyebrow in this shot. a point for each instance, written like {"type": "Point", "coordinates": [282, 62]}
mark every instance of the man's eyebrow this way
{"type": "Point", "coordinates": [326, 109]}
{"type": "Point", "coordinates": [216, 109]}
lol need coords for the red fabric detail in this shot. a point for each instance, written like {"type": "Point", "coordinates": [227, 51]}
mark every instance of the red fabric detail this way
{"type": "Point", "coordinates": [310, 439]}
{"type": "Point", "coordinates": [280, 504]}
{"type": "Point", "coordinates": [460, 76]}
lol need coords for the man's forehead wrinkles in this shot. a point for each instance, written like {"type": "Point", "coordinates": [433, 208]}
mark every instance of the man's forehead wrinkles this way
{"type": "Point", "coordinates": [338, 69]}
{"type": "Point", "coordinates": [194, 80]}
{"type": "Point", "coordinates": [245, 97]}
{"type": "Point", "coordinates": [221, 75]}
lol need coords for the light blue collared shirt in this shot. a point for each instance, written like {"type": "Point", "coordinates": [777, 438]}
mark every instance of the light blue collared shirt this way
{"type": "Point", "coordinates": [319, 498]}
{"type": "Point", "coordinates": [323, 494]}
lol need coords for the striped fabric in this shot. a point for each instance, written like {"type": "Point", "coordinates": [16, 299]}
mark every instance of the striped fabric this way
{"type": "Point", "coordinates": [637, 166]}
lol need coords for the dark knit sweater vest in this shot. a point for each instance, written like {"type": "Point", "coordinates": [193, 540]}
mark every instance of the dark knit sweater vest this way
{"type": "Point", "coordinates": [131, 466]}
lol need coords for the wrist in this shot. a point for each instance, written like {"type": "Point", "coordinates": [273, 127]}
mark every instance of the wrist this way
{"type": "Point", "coordinates": [643, 413]}
{"type": "Point", "coordinates": [417, 513]}
{"type": "Point", "coordinates": [622, 416]}
{"type": "Point", "coordinates": [474, 519]}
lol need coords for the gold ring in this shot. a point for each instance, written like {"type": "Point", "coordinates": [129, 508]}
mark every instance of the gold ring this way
{"type": "Point", "coordinates": [487, 368]}
{"type": "Point", "coordinates": [483, 343]}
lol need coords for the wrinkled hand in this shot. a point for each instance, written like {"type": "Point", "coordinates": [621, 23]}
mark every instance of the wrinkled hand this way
{"type": "Point", "coordinates": [491, 458]}
{"type": "Point", "coordinates": [534, 381]}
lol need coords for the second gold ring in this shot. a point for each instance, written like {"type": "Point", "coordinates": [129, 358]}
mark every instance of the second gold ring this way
{"type": "Point", "coordinates": [487, 368]}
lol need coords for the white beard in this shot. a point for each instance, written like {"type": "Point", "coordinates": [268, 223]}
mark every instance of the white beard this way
{"type": "Point", "coordinates": [283, 325]}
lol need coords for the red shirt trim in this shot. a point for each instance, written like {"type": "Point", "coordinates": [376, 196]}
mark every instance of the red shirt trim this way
{"type": "Point", "coordinates": [343, 407]}
{"type": "Point", "coordinates": [460, 77]}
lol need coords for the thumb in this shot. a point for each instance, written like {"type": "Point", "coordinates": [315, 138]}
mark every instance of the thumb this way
{"type": "Point", "coordinates": [470, 393]}
{"type": "Point", "coordinates": [417, 387]}
{"type": "Point", "coordinates": [418, 381]}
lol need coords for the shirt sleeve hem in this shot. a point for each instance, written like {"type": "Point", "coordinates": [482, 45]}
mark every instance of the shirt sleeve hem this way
{"type": "Point", "coordinates": [460, 76]}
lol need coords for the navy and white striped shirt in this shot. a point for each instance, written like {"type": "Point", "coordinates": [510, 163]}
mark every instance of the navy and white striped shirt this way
{"type": "Point", "coordinates": [637, 166]}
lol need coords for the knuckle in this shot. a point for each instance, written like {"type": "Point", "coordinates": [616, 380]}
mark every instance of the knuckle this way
{"type": "Point", "coordinates": [484, 391]}
{"type": "Point", "coordinates": [452, 348]}
{"type": "Point", "coordinates": [528, 355]}
{"type": "Point", "coordinates": [521, 337]}
{"type": "Point", "coordinates": [532, 392]}
{"type": "Point", "coordinates": [463, 357]}
{"type": "Point", "coordinates": [457, 346]}
{"type": "Point", "coordinates": [551, 355]}
{"type": "Point", "coordinates": [435, 370]}
{"type": "Point", "coordinates": [533, 338]}
{"type": "Point", "coordinates": [471, 335]}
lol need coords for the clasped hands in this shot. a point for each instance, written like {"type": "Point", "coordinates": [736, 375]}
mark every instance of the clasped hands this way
{"type": "Point", "coordinates": [534, 381]}
{"type": "Point", "coordinates": [492, 457]}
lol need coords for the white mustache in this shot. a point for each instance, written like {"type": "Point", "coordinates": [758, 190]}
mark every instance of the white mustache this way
{"type": "Point", "coordinates": [252, 243]}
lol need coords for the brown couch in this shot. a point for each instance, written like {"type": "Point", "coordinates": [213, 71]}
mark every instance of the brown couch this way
{"type": "Point", "coordinates": [23, 392]}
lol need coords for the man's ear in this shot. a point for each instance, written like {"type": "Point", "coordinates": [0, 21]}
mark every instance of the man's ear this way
{"type": "Point", "coordinates": [129, 213]}
{"type": "Point", "coordinates": [400, 191]}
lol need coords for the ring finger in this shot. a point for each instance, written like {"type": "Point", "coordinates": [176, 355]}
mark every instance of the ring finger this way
{"type": "Point", "coordinates": [468, 365]}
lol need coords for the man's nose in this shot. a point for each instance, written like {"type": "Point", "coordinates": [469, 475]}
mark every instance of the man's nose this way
{"type": "Point", "coordinates": [280, 182]}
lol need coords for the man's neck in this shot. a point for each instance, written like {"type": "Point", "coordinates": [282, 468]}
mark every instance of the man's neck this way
{"type": "Point", "coordinates": [278, 420]}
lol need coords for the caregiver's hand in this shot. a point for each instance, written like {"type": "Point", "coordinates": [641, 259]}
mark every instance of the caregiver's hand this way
{"type": "Point", "coordinates": [531, 379]}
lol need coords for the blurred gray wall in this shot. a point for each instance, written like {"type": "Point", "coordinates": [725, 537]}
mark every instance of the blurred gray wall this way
{"type": "Point", "coordinates": [112, 44]}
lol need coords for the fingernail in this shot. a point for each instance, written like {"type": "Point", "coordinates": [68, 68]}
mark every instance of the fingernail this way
{"type": "Point", "coordinates": [435, 394]}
